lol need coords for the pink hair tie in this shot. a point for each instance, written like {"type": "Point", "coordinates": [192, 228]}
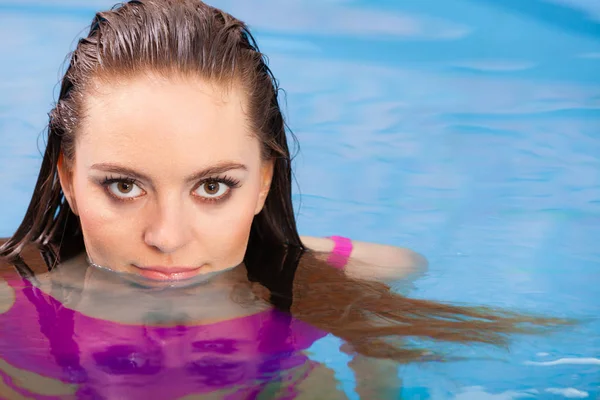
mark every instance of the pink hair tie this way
{"type": "Point", "coordinates": [340, 254]}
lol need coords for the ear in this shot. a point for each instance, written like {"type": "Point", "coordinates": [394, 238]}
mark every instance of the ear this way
{"type": "Point", "coordinates": [65, 177]}
{"type": "Point", "coordinates": [266, 176]}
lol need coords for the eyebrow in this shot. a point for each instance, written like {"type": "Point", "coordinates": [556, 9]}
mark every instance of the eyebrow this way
{"type": "Point", "coordinates": [216, 169]}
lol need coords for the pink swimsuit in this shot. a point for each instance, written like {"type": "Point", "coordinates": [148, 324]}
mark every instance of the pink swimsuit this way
{"type": "Point", "coordinates": [340, 254]}
{"type": "Point", "coordinates": [237, 358]}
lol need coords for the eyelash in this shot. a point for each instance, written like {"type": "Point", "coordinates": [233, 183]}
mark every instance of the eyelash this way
{"type": "Point", "coordinates": [109, 180]}
{"type": "Point", "coordinates": [230, 182]}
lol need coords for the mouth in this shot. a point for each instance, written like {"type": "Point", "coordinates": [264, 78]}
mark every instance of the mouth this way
{"type": "Point", "coordinates": [168, 274]}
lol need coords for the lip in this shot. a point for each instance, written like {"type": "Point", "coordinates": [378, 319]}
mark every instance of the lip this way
{"type": "Point", "coordinates": [160, 273]}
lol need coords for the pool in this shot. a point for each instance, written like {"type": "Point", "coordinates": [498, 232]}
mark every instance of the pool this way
{"type": "Point", "coordinates": [466, 130]}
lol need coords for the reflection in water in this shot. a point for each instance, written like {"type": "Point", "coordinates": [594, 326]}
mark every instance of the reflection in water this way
{"type": "Point", "coordinates": [168, 356]}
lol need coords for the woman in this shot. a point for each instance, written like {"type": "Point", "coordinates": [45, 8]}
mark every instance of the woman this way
{"type": "Point", "coordinates": [167, 166]}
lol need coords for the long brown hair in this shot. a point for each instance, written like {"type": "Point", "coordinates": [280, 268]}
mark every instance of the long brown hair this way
{"type": "Point", "coordinates": [190, 38]}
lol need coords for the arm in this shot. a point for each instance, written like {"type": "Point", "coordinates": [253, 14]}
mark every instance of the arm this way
{"type": "Point", "coordinates": [375, 378]}
{"type": "Point", "coordinates": [374, 261]}
{"type": "Point", "coordinates": [321, 384]}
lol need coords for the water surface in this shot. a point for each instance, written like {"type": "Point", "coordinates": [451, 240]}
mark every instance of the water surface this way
{"type": "Point", "coordinates": [466, 130]}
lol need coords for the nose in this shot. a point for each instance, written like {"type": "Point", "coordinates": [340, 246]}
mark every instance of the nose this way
{"type": "Point", "coordinates": [168, 229]}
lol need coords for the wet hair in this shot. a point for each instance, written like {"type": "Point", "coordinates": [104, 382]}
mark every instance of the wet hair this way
{"type": "Point", "coordinates": [191, 39]}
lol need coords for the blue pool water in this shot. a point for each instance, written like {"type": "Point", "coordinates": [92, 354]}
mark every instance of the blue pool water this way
{"type": "Point", "coordinates": [466, 130]}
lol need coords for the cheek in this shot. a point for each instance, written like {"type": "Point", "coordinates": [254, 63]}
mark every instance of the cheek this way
{"type": "Point", "coordinates": [229, 239]}
{"type": "Point", "coordinates": [104, 231]}
{"type": "Point", "coordinates": [99, 233]}
{"type": "Point", "coordinates": [229, 229]}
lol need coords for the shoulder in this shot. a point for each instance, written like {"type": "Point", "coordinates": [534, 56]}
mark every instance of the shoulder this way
{"type": "Point", "coordinates": [7, 296]}
{"type": "Point", "coordinates": [319, 244]}
{"type": "Point", "coordinates": [321, 383]}
{"type": "Point", "coordinates": [372, 260]}
{"type": "Point", "coordinates": [7, 293]}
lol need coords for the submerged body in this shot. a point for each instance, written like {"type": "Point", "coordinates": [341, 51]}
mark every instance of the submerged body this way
{"type": "Point", "coordinates": [86, 332]}
{"type": "Point", "coordinates": [105, 336]}
{"type": "Point", "coordinates": [109, 359]}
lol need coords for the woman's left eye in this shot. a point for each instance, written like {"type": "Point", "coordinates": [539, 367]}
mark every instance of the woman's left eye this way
{"type": "Point", "coordinates": [212, 190]}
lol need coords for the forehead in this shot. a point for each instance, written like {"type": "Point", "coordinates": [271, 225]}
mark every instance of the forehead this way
{"type": "Point", "coordinates": [190, 120]}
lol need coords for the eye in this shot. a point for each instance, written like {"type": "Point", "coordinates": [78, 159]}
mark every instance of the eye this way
{"type": "Point", "coordinates": [124, 189]}
{"type": "Point", "coordinates": [212, 190]}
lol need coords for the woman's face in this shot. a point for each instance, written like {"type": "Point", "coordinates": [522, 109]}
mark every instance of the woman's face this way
{"type": "Point", "coordinates": [167, 177]}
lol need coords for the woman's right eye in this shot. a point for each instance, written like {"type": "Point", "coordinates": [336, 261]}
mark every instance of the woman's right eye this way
{"type": "Point", "coordinates": [125, 190]}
